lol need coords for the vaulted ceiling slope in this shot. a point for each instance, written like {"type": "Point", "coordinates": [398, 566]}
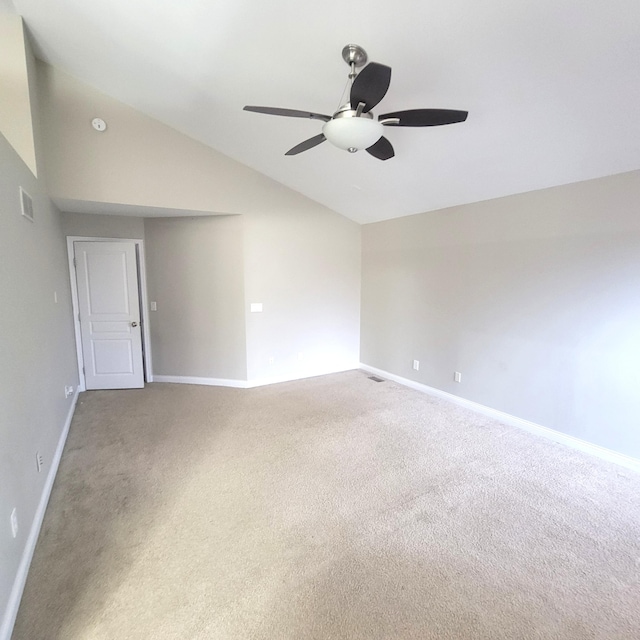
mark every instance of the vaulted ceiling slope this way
{"type": "Point", "coordinates": [552, 87]}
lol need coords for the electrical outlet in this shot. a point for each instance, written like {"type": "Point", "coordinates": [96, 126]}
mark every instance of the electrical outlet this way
{"type": "Point", "coordinates": [153, 306]}
{"type": "Point", "coordinates": [39, 461]}
{"type": "Point", "coordinates": [68, 391]}
{"type": "Point", "coordinates": [457, 376]}
{"type": "Point", "coordinates": [416, 365]}
{"type": "Point", "coordinates": [272, 360]}
{"type": "Point", "coordinates": [14, 523]}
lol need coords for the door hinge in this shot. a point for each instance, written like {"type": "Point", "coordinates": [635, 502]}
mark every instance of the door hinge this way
{"type": "Point", "coordinates": [75, 264]}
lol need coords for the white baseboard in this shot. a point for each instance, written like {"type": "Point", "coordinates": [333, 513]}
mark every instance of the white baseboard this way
{"type": "Point", "coordinates": [210, 382]}
{"type": "Point", "coordinates": [23, 569]}
{"type": "Point", "coordinates": [248, 384]}
{"type": "Point", "coordinates": [506, 418]}
{"type": "Point", "coordinates": [261, 382]}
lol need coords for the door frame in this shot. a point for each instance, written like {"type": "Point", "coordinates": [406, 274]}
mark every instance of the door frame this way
{"type": "Point", "coordinates": [144, 304]}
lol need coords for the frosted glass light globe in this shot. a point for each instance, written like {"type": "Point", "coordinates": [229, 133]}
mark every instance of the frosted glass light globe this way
{"type": "Point", "coordinates": [352, 133]}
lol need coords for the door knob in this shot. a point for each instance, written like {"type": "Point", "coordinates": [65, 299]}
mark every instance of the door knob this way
{"type": "Point", "coordinates": [134, 324]}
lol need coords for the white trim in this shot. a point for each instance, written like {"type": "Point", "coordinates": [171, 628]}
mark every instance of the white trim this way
{"type": "Point", "coordinates": [142, 273]}
{"type": "Point", "coordinates": [506, 418]}
{"type": "Point", "coordinates": [261, 382]}
{"type": "Point", "coordinates": [245, 384]}
{"type": "Point", "coordinates": [210, 382]}
{"type": "Point", "coordinates": [76, 311]}
{"type": "Point", "coordinates": [144, 306]}
{"type": "Point", "coordinates": [25, 562]}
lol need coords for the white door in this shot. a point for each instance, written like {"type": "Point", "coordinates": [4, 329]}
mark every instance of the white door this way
{"type": "Point", "coordinates": [107, 277]}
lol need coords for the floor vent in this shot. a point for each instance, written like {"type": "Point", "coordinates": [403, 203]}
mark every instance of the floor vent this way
{"type": "Point", "coordinates": [376, 379]}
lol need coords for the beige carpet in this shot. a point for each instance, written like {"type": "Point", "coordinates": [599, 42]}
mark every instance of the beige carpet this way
{"type": "Point", "coordinates": [334, 507]}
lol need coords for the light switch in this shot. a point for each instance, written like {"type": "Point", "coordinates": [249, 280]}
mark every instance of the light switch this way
{"type": "Point", "coordinates": [256, 307]}
{"type": "Point", "coordinates": [153, 306]}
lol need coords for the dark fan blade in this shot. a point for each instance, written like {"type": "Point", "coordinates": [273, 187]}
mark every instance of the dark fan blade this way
{"type": "Point", "coordinates": [307, 144]}
{"type": "Point", "coordinates": [424, 117]}
{"type": "Point", "coordinates": [370, 86]}
{"type": "Point", "coordinates": [292, 113]}
{"type": "Point", "coordinates": [381, 149]}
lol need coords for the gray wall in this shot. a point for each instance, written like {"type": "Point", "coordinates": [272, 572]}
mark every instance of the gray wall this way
{"type": "Point", "coordinates": [93, 225]}
{"type": "Point", "coordinates": [37, 349]}
{"type": "Point", "coordinates": [195, 275]}
{"type": "Point", "coordinates": [300, 259]}
{"type": "Point", "coordinates": [140, 161]}
{"type": "Point", "coordinates": [205, 272]}
{"type": "Point", "coordinates": [305, 270]}
{"type": "Point", "coordinates": [534, 298]}
{"type": "Point", "coordinates": [15, 90]}
{"type": "Point", "coordinates": [37, 353]}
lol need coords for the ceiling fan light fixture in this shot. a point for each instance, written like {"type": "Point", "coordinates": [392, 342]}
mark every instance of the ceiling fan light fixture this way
{"type": "Point", "coordinates": [353, 127]}
{"type": "Point", "coordinates": [352, 133]}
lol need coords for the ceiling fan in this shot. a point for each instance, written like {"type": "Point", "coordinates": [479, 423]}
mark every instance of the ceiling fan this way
{"type": "Point", "coordinates": [353, 126]}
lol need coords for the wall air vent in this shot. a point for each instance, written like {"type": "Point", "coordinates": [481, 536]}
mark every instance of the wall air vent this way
{"type": "Point", "coordinates": [26, 202]}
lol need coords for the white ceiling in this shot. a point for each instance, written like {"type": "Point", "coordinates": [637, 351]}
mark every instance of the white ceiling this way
{"type": "Point", "coordinates": [552, 87]}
